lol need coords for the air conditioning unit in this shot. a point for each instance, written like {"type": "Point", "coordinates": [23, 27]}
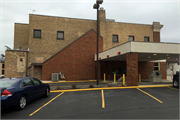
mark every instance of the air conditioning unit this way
{"type": "Point", "coordinates": [55, 76]}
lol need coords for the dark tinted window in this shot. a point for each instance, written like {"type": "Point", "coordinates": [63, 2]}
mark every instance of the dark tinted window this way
{"type": "Point", "coordinates": [27, 82]}
{"type": "Point", "coordinates": [146, 39]}
{"type": "Point", "coordinates": [60, 35]}
{"type": "Point", "coordinates": [131, 38]}
{"type": "Point", "coordinates": [2, 65]}
{"type": "Point", "coordinates": [3, 72]}
{"type": "Point", "coordinates": [7, 83]}
{"type": "Point", "coordinates": [36, 82]}
{"type": "Point", "coordinates": [156, 68]}
{"type": "Point", "coordinates": [156, 64]}
{"type": "Point", "coordinates": [37, 33]}
{"type": "Point", "coordinates": [115, 38]}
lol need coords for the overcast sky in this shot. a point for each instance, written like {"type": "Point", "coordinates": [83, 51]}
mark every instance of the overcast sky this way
{"type": "Point", "coordinates": [130, 11]}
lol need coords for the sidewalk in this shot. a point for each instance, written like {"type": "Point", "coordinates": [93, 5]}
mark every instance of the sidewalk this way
{"type": "Point", "coordinates": [84, 84]}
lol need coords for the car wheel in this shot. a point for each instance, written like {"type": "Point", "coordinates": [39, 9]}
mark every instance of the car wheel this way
{"type": "Point", "coordinates": [22, 102]}
{"type": "Point", "coordinates": [175, 83]}
{"type": "Point", "coordinates": [47, 92]}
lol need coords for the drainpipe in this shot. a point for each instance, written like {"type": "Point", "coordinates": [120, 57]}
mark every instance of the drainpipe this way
{"type": "Point", "coordinates": [27, 64]}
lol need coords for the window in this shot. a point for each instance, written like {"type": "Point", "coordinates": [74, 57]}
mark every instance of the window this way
{"type": "Point", "coordinates": [26, 82]}
{"type": "Point", "coordinates": [37, 33]}
{"type": "Point", "coordinates": [115, 38]}
{"type": "Point", "coordinates": [131, 38]}
{"type": "Point", "coordinates": [36, 82]}
{"type": "Point", "coordinates": [7, 83]}
{"type": "Point", "coordinates": [156, 66]}
{"type": "Point", "coordinates": [60, 35]}
{"type": "Point", "coordinates": [2, 65]}
{"type": "Point", "coordinates": [2, 72]}
{"type": "Point", "coordinates": [146, 39]}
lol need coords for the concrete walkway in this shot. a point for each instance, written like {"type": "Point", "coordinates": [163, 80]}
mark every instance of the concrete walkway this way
{"type": "Point", "coordinates": [85, 84]}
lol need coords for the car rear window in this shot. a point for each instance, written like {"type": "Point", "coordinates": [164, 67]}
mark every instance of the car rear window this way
{"type": "Point", "coordinates": [7, 83]}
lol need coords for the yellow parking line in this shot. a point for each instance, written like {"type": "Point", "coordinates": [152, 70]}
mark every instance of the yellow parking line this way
{"type": "Point", "coordinates": [149, 95]}
{"type": "Point", "coordinates": [109, 88]}
{"type": "Point", "coordinates": [174, 88]}
{"type": "Point", "coordinates": [103, 103]}
{"type": "Point", "coordinates": [45, 104]}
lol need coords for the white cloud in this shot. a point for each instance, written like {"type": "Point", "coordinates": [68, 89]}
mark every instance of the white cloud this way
{"type": "Point", "coordinates": [133, 11]}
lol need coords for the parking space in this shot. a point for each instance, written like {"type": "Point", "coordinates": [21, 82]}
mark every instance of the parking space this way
{"type": "Point", "coordinates": [112, 104]}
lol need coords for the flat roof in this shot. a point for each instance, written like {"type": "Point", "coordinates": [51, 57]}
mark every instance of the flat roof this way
{"type": "Point", "coordinates": [147, 51]}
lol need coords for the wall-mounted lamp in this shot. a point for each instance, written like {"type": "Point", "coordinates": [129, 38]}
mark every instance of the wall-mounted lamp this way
{"type": "Point", "coordinates": [154, 54]}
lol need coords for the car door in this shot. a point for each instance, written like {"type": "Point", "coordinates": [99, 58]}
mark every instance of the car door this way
{"type": "Point", "coordinates": [40, 88]}
{"type": "Point", "coordinates": [30, 89]}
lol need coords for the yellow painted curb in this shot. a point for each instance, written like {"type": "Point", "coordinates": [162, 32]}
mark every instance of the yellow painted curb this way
{"type": "Point", "coordinates": [70, 81]}
{"type": "Point", "coordinates": [108, 88]}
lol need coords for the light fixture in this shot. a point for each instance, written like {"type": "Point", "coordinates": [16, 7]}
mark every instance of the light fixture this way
{"type": "Point", "coordinates": [154, 54]}
{"type": "Point", "coordinates": [168, 57]}
{"type": "Point", "coordinates": [118, 53]}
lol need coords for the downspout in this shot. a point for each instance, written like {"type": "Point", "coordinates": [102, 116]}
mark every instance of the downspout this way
{"type": "Point", "coordinates": [27, 63]}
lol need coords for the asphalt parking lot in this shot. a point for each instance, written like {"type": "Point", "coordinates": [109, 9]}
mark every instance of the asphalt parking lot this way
{"type": "Point", "coordinates": [141, 103]}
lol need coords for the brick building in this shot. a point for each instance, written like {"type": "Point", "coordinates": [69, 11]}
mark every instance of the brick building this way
{"type": "Point", "coordinates": [52, 44]}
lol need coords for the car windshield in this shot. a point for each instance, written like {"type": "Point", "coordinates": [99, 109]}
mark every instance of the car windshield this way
{"type": "Point", "coordinates": [7, 83]}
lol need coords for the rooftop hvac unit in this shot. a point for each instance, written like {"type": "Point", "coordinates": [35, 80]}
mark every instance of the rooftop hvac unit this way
{"type": "Point", "coordinates": [55, 77]}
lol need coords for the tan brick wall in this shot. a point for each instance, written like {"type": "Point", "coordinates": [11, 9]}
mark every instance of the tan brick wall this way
{"type": "Point", "coordinates": [43, 48]}
{"type": "Point", "coordinates": [37, 72]}
{"type": "Point", "coordinates": [48, 45]}
{"type": "Point", "coordinates": [123, 30]}
{"type": "Point", "coordinates": [13, 66]}
{"type": "Point", "coordinates": [1, 69]}
{"type": "Point", "coordinates": [21, 36]}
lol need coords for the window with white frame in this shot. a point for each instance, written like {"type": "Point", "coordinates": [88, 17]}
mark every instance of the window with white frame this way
{"type": "Point", "coordinates": [156, 66]}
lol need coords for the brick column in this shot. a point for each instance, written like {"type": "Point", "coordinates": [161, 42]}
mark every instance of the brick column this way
{"type": "Point", "coordinates": [132, 69]}
{"type": "Point", "coordinates": [156, 31]}
{"type": "Point", "coordinates": [156, 36]}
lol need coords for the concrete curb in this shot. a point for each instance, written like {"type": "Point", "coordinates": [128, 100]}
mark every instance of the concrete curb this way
{"type": "Point", "coordinates": [108, 88]}
{"type": "Point", "coordinates": [69, 81]}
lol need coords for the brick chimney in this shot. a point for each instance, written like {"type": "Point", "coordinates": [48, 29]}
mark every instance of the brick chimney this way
{"type": "Point", "coordinates": [156, 31]}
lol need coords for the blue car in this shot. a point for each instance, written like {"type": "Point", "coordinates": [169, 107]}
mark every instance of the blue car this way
{"type": "Point", "coordinates": [18, 91]}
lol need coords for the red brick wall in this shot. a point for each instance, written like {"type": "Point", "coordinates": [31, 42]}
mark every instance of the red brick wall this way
{"type": "Point", "coordinates": [163, 69]}
{"type": "Point", "coordinates": [144, 68]}
{"type": "Point", "coordinates": [132, 69]}
{"type": "Point", "coordinates": [110, 65]}
{"type": "Point", "coordinates": [156, 36]}
{"type": "Point", "coordinates": [76, 61]}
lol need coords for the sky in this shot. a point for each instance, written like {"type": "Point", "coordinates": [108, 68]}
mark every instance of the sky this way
{"type": "Point", "coordinates": [167, 12]}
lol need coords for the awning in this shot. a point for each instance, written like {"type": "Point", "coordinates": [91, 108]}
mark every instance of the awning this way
{"type": "Point", "coordinates": [147, 51]}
